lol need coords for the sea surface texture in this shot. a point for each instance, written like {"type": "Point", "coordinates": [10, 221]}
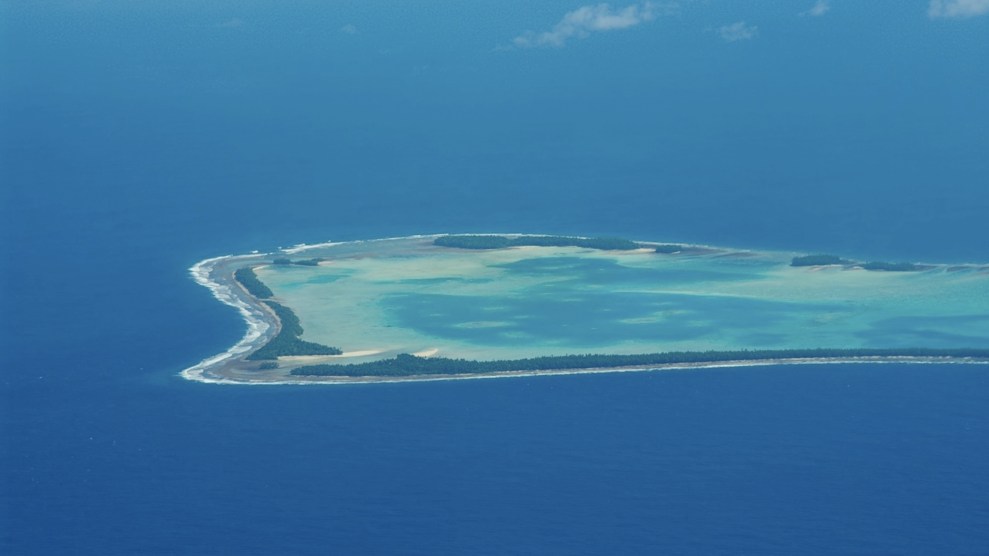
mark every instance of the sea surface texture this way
{"type": "Point", "coordinates": [139, 138]}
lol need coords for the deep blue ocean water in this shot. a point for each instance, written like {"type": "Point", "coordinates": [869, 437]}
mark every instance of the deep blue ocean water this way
{"type": "Point", "coordinates": [139, 138]}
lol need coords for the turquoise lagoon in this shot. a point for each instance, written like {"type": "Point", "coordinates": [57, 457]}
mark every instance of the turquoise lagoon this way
{"type": "Point", "coordinates": [375, 299]}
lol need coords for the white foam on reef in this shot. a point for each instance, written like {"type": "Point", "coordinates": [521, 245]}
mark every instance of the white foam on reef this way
{"type": "Point", "coordinates": [299, 247]}
{"type": "Point", "coordinates": [256, 324]}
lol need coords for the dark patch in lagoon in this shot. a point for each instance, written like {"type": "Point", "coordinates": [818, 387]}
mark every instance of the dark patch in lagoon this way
{"type": "Point", "coordinates": [443, 280]}
{"type": "Point", "coordinates": [606, 271]}
{"type": "Point", "coordinates": [585, 318]}
{"type": "Point", "coordinates": [303, 274]}
{"type": "Point", "coordinates": [327, 278]}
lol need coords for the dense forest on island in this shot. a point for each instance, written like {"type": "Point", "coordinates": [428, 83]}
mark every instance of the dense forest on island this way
{"type": "Point", "coordinates": [411, 365]}
{"type": "Point", "coordinates": [822, 260]}
{"type": "Point", "coordinates": [284, 261]}
{"type": "Point", "coordinates": [287, 342]}
{"type": "Point", "coordinates": [250, 281]}
{"type": "Point", "coordinates": [819, 260]}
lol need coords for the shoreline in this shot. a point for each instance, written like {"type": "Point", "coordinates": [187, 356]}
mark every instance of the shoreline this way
{"type": "Point", "coordinates": [262, 323]}
{"type": "Point", "coordinates": [339, 380]}
{"type": "Point", "coordinates": [216, 274]}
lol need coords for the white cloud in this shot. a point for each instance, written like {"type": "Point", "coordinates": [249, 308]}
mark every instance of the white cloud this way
{"type": "Point", "coordinates": [957, 8]}
{"type": "Point", "coordinates": [817, 10]}
{"type": "Point", "coordinates": [583, 21]}
{"type": "Point", "coordinates": [738, 31]}
{"type": "Point", "coordinates": [349, 29]}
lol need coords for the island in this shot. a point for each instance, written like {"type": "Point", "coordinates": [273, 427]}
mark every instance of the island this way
{"type": "Point", "coordinates": [819, 260]}
{"type": "Point", "coordinates": [834, 260]}
{"type": "Point", "coordinates": [461, 306]}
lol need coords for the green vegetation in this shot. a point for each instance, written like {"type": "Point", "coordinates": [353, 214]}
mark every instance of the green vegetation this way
{"type": "Point", "coordinates": [669, 248]}
{"type": "Point", "coordinates": [268, 365]}
{"type": "Point", "coordinates": [410, 365]}
{"type": "Point", "coordinates": [250, 281]}
{"type": "Point", "coordinates": [500, 242]}
{"type": "Point", "coordinates": [618, 244]}
{"type": "Point", "coordinates": [818, 260]}
{"type": "Point", "coordinates": [287, 341]}
{"type": "Point", "coordinates": [308, 262]}
{"type": "Point", "coordinates": [892, 267]}
{"type": "Point", "coordinates": [302, 262]}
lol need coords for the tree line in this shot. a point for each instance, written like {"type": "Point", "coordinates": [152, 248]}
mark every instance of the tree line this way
{"type": "Point", "coordinates": [300, 262]}
{"type": "Point", "coordinates": [287, 342]}
{"type": "Point", "coordinates": [250, 281]}
{"type": "Point", "coordinates": [411, 365]}
{"type": "Point", "coordinates": [821, 260]}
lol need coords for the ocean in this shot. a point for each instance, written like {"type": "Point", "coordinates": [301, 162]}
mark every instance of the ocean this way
{"type": "Point", "coordinates": [138, 139]}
